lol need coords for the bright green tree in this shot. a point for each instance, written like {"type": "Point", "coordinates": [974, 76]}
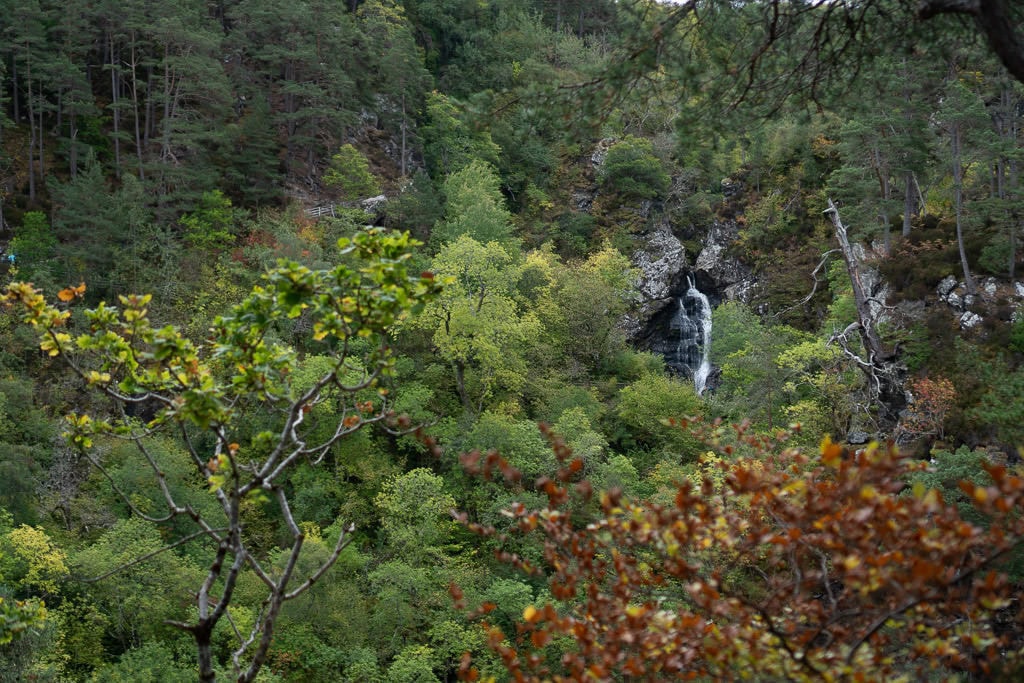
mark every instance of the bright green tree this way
{"type": "Point", "coordinates": [633, 171]}
{"type": "Point", "coordinates": [200, 396]}
{"type": "Point", "coordinates": [477, 324]}
{"type": "Point", "coordinates": [474, 207]}
{"type": "Point", "coordinates": [211, 226]}
{"type": "Point", "coordinates": [350, 174]}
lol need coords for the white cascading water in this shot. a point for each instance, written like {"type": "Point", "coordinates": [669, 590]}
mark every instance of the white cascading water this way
{"type": "Point", "coordinates": [694, 324]}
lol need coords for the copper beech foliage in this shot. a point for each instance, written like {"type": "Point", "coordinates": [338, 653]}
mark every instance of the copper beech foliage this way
{"type": "Point", "coordinates": [823, 566]}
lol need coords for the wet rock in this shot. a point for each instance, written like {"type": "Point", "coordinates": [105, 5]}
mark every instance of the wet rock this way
{"type": "Point", "coordinates": [660, 260]}
{"type": "Point", "coordinates": [731, 187]}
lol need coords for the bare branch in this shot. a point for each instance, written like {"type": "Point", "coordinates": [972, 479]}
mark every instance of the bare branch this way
{"type": "Point", "coordinates": [343, 540]}
{"type": "Point", "coordinates": [150, 555]}
{"type": "Point", "coordinates": [814, 289]}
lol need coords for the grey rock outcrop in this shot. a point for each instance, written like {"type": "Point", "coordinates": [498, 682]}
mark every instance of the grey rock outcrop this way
{"type": "Point", "coordinates": [661, 261]}
{"type": "Point", "coordinates": [947, 285]}
{"type": "Point", "coordinates": [729, 277]}
{"type": "Point", "coordinates": [970, 320]}
{"type": "Point", "coordinates": [373, 205]}
{"type": "Point", "coordinates": [600, 152]}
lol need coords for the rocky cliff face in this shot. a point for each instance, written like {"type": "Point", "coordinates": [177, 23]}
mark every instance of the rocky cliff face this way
{"type": "Point", "coordinates": [664, 268]}
{"type": "Point", "coordinates": [661, 262]}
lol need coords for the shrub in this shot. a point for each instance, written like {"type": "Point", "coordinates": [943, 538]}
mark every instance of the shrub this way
{"type": "Point", "coordinates": [633, 171]}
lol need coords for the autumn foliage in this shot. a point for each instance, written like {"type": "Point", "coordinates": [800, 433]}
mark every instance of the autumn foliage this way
{"type": "Point", "coordinates": [830, 565]}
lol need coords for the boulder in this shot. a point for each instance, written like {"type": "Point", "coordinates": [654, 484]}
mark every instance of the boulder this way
{"type": "Point", "coordinates": [969, 320]}
{"type": "Point", "coordinates": [947, 285]}
{"type": "Point", "coordinates": [858, 437]}
{"type": "Point", "coordinates": [374, 208]}
{"type": "Point", "coordinates": [582, 200]}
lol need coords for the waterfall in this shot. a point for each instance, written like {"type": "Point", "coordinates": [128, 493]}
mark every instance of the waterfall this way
{"type": "Point", "coordinates": [693, 322]}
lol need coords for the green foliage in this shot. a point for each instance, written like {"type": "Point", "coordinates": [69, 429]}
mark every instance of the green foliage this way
{"type": "Point", "coordinates": [145, 595]}
{"type": "Point", "coordinates": [575, 427]}
{"type": "Point", "coordinates": [477, 324]}
{"type": "Point", "coordinates": [519, 441]}
{"type": "Point", "coordinates": [349, 173]}
{"type": "Point", "coordinates": [418, 207]}
{"type": "Point", "coordinates": [475, 208]}
{"type": "Point", "coordinates": [169, 174]}
{"type": "Point", "coordinates": [152, 662]}
{"type": "Point", "coordinates": [415, 511]}
{"type": "Point", "coordinates": [18, 616]}
{"type": "Point", "coordinates": [588, 300]}
{"type": "Point", "coordinates": [211, 227]}
{"type": "Point", "coordinates": [1000, 408]}
{"type": "Point", "coordinates": [633, 171]}
{"type": "Point", "coordinates": [945, 472]}
{"type": "Point", "coordinates": [449, 145]}
{"type": "Point", "coordinates": [31, 561]}
{"type": "Point", "coordinates": [618, 473]}
{"type": "Point", "coordinates": [645, 407]}
{"type": "Point", "coordinates": [1017, 336]}
{"type": "Point", "coordinates": [34, 246]}
{"type": "Point", "coordinates": [245, 377]}
{"type": "Point", "coordinates": [414, 664]}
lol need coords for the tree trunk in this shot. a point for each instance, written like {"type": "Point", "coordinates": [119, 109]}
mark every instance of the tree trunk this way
{"type": "Point", "coordinates": [42, 170]}
{"type": "Point", "coordinates": [165, 146]}
{"type": "Point", "coordinates": [32, 131]}
{"type": "Point", "coordinates": [73, 138]}
{"type": "Point", "coordinates": [15, 100]}
{"type": "Point", "coordinates": [202, 635]}
{"type": "Point", "coordinates": [135, 111]}
{"type": "Point", "coordinates": [883, 375]}
{"type": "Point", "coordinates": [114, 103]}
{"type": "Point", "coordinates": [403, 136]}
{"type": "Point", "coordinates": [148, 128]}
{"type": "Point", "coordinates": [460, 385]}
{"type": "Point", "coordinates": [885, 189]}
{"type": "Point", "coordinates": [909, 205]}
{"type": "Point", "coordinates": [958, 200]}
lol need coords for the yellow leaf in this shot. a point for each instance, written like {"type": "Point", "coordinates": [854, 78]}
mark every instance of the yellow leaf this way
{"type": "Point", "coordinates": [831, 453]}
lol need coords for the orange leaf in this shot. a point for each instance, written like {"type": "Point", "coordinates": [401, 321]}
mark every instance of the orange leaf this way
{"type": "Point", "coordinates": [69, 293]}
{"type": "Point", "coordinates": [540, 638]}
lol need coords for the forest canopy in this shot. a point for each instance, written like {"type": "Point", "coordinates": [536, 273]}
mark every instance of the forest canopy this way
{"type": "Point", "coordinates": [423, 340]}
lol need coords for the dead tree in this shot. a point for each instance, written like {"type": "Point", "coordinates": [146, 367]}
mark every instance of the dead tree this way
{"type": "Point", "coordinates": [879, 364]}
